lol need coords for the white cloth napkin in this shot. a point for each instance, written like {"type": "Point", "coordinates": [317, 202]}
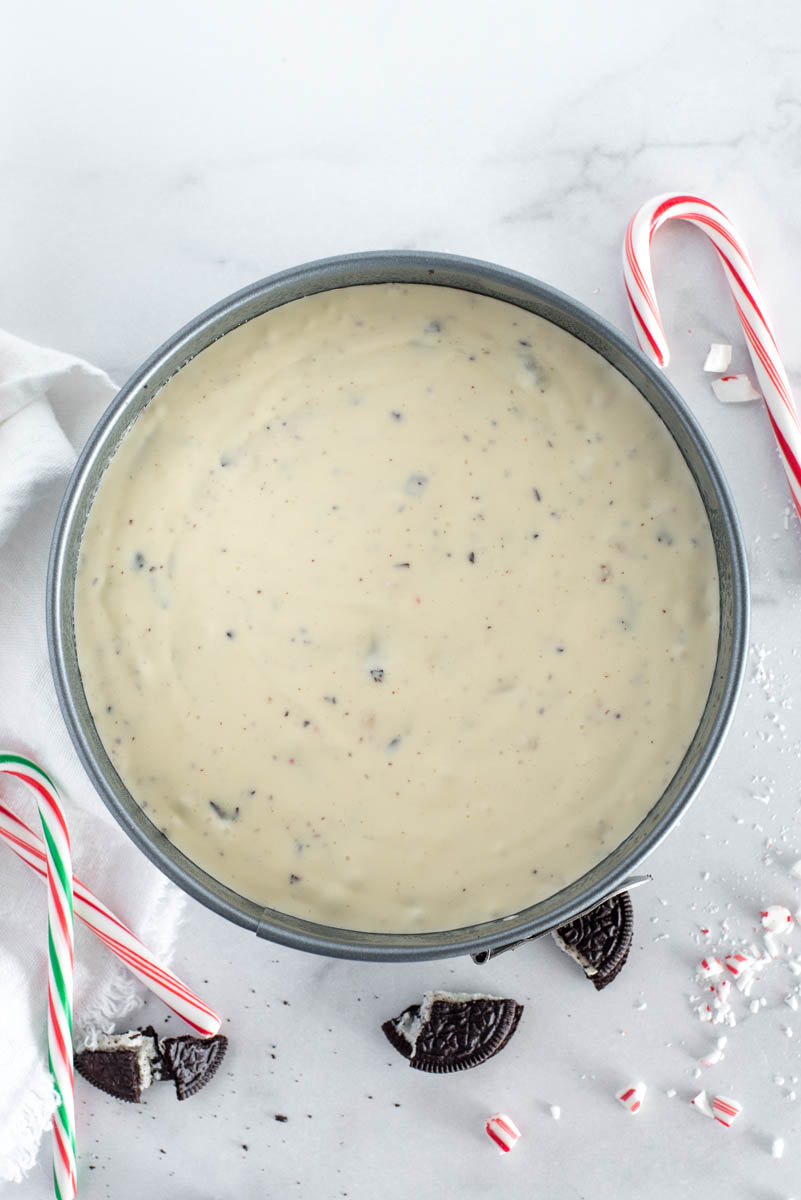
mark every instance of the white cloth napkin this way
{"type": "Point", "coordinates": [48, 405]}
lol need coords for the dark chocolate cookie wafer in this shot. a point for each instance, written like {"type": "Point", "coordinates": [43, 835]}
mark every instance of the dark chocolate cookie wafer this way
{"type": "Point", "coordinates": [453, 1032]}
{"type": "Point", "coordinates": [123, 1064]}
{"type": "Point", "coordinates": [600, 940]}
{"type": "Point", "coordinates": [191, 1061]}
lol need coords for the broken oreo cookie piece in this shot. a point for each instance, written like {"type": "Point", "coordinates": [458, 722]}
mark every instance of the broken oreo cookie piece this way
{"type": "Point", "coordinates": [600, 940]}
{"type": "Point", "coordinates": [191, 1061]}
{"type": "Point", "coordinates": [125, 1064]}
{"type": "Point", "coordinates": [121, 1064]}
{"type": "Point", "coordinates": [453, 1031]}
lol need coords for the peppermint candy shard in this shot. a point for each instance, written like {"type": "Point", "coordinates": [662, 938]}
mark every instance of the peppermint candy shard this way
{"type": "Point", "coordinates": [777, 919]}
{"type": "Point", "coordinates": [701, 1104]}
{"type": "Point", "coordinates": [735, 389]}
{"type": "Point", "coordinates": [632, 1097]}
{"type": "Point", "coordinates": [737, 963]}
{"type": "Point", "coordinates": [600, 940]}
{"type": "Point", "coordinates": [453, 1031]}
{"type": "Point", "coordinates": [503, 1131]}
{"type": "Point", "coordinates": [719, 357]}
{"type": "Point", "coordinates": [190, 1062]}
{"type": "Point", "coordinates": [725, 1110]}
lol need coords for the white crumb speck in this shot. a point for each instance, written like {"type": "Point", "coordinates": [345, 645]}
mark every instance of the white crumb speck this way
{"type": "Point", "coordinates": [556, 1112]}
{"type": "Point", "coordinates": [777, 1148]}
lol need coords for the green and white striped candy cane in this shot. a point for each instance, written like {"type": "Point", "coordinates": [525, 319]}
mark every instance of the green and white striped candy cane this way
{"type": "Point", "coordinates": [60, 962]}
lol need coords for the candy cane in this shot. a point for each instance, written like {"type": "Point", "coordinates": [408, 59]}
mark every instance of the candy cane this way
{"type": "Point", "coordinates": [58, 871]}
{"type": "Point", "coordinates": [781, 408]}
{"type": "Point", "coordinates": [51, 858]}
{"type": "Point", "coordinates": [114, 934]}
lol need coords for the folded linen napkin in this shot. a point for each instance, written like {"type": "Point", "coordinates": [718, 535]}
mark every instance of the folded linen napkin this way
{"type": "Point", "coordinates": [48, 405]}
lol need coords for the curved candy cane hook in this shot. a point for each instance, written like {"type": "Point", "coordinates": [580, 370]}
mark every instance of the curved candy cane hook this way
{"type": "Point", "coordinates": [639, 280]}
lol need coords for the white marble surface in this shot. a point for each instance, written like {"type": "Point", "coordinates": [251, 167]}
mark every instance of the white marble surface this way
{"type": "Point", "coordinates": [156, 157]}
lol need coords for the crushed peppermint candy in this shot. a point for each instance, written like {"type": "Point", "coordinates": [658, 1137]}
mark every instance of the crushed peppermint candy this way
{"type": "Point", "coordinates": [777, 919]}
{"type": "Point", "coordinates": [710, 968]}
{"type": "Point", "coordinates": [556, 1112]}
{"type": "Point", "coordinates": [716, 1055]}
{"type": "Point", "coordinates": [632, 1097]}
{"type": "Point", "coordinates": [735, 389]}
{"type": "Point", "coordinates": [725, 1110]}
{"type": "Point", "coordinates": [777, 1148]}
{"type": "Point", "coordinates": [738, 963]}
{"type": "Point", "coordinates": [503, 1131]}
{"type": "Point", "coordinates": [702, 1105]}
{"type": "Point", "coordinates": [719, 357]}
{"type": "Point", "coordinates": [773, 945]}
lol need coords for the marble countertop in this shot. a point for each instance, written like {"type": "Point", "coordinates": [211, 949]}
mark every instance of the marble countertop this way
{"type": "Point", "coordinates": [161, 156]}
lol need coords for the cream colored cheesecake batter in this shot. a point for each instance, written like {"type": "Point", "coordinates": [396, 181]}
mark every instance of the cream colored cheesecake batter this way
{"type": "Point", "coordinates": [397, 608]}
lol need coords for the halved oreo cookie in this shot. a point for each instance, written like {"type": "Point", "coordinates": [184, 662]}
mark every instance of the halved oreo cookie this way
{"type": "Point", "coordinates": [600, 940]}
{"type": "Point", "coordinates": [191, 1061]}
{"type": "Point", "coordinates": [451, 1032]}
{"type": "Point", "coordinates": [121, 1064]}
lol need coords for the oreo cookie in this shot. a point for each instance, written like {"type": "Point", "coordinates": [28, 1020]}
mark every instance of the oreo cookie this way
{"type": "Point", "coordinates": [125, 1064]}
{"type": "Point", "coordinates": [190, 1062]}
{"type": "Point", "coordinates": [121, 1064]}
{"type": "Point", "coordinates": [600, 940]}
{"type": "Point", "coordinates": [453, 1031]}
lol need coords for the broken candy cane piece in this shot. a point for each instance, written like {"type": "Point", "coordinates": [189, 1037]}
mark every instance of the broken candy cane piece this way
{"type": "Point", "coordinates": [710, 968]}
{"type": "Point", "coordinates": [722, 994]}
{"type": "Point", "coordinates": [702, 1105]}
{"type": "Point", "coordinates": [737, 963]}
{"type": "Point", "coordinates": [773, 945]}
{"type": "Point", "coordinates": [725, 1110]}
{"type": "Point", "coordinates": [777, 919]}
{"type": "Point", "coordinates": [716, 1055]}
{"type": "Point", "coordinates": [718, 358]}
{"type": "Point", "coordinates": [734, 389]}
{"type": "Point", "coordinates": [503, 1131]}
{"type": "Point", "coordinates": [771, 376]}
{"type": "Point", "coordinates": [632, 1097]}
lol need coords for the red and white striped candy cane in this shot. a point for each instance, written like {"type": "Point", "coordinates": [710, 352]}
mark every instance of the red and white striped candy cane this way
{"type": "Point", "coordinates": [114, 934]}
{"type": "Point", "coordinates": [52, 859]}
{"type": "Point", "coordinates": [58, 871]}
{"type": "Point", "coordinates": [781, 408]}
